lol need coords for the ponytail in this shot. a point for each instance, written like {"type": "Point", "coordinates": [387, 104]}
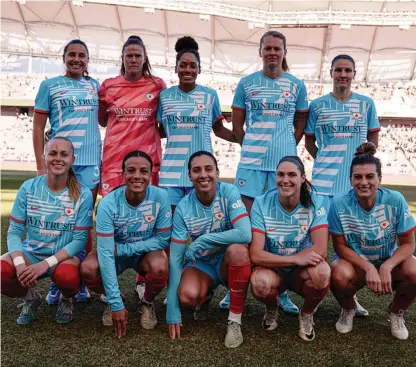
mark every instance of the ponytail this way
{"type": "Point", "coordinates": [285, 66]}
{"type": "Point", "coordinates": [74, 187]}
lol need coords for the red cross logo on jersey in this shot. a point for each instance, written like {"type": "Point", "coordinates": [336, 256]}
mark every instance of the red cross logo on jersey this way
{"type": "Point", "coordinates": [105, 186]}
{"type": "Point", "coordinates": [241, 182]}
{"type": "Point", "coordinates": [92, 91]}
{"type": "Point", "coordinates": [303, 229]}
{"type": "Point", "coordinates": [219, 215]}
{"type": "Point", "coordinates": [148, 218]}
{"type": "Point", "coordinates": [384, 224]}
{"type": "Point", "coordinates": [150, 96]}
{"type": "Point", "coordinates": [200, 106]}
{"type": "Point", "coordinates": [356, 115]}
{"type": "Point", "coordinates": [69, 211]}
{"type": "Point", "coordinates": [286, 94]}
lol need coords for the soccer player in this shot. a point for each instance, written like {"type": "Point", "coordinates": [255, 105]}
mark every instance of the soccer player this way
{"type": "Point", "coordinates": [215, 218]}
{"type": "Point", "coordinates": [274, 106]}
{"type": "Point", "coordinates": [56, 210]}
{"type": "Point", "coordinates": [337, 124]}
{"type": "Point", "coordinates": [128, 106]}
{"type": "Point", "coordinates": [289, 245]}
{"type": "Point", "coordinates": [133, 228]}
{"type": "Point", "coordinates": [373, 234]}
{"type": "Point", "coordinates": [71, 104]}
{"type": "Point", "coordinates": [188, 112]}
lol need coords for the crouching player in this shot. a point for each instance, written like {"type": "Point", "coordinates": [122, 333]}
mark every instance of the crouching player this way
{"type": "Point", "coordinates": [365, 224]}
{"type": "Point", "coordinates": [133, 228]}
{"type": "Point", "coordinates": [289, 245]}
{"type": "Point", "coordinates": [57, 211]}
{"type": "Point", "coordinates": [218, 224]}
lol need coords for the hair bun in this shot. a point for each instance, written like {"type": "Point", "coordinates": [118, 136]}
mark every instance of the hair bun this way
{"type": "Point", "coordinates": [186, 42]}
{"type": "Point", "coordinates": [366, 148]}
{"type": "Point", "coordinates": [133, 37]}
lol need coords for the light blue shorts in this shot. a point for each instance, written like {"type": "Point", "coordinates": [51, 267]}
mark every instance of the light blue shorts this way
{"type": "Point", "coordinates": [213, 270]}
{"type": "Point", "coordinates": [123, 263]}
{"type": "Point", "coordinates": [177, 193]}
{"type": "Point", "coordinates": [88, 175]}
{"type": "Point", "coordinates": [252, 183]}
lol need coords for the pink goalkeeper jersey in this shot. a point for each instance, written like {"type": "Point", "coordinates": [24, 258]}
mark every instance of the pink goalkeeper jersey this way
{"type": "Point", "coordinates": [131, 108]}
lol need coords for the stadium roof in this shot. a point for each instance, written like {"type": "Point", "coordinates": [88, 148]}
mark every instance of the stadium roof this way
{"type": "Point", "coordinates": [380, 35]}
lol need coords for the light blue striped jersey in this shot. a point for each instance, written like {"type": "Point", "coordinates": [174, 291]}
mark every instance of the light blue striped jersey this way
{"type": "Point", "coordinates": [372, 234]}
{"type": "Point", "coordinates": [187, 119]}
{"type": "Point", "coordinates": [339, 128]}
{"type": "Point", "coordinates": [286, 233]}
{"type": "Point", "coordinates": [270, 106]}
{"type": "Point", "coordinates": [72, 107]}
{"type": "Point", "coordinates": [51, 218]}
{"type": "Point", "coordinates": [195, 219]}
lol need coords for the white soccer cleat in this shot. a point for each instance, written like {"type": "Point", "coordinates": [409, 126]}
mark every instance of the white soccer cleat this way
{"type": "Point", "coordinates": [234, 337]}
{"type": "Point", "coordinates": [148, 318]}
{"type": "Point", "coordinates": [398, 328]}
{"type": "Point", "coordinates": [345, 321]}
{"type": "Point", "coordinates": [270, 319]}
{"type": "Point", "coordinates": [359, 310]}
{"type": "Point", "coordinates": [107, 319]}
{"type": "Point", "coordinates": [140, 288]}
{"type": "Point", "coordinates": [306, 330]}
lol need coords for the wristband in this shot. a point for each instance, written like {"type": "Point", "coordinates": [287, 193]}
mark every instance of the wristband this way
{"type": "Point", "coordinates": [52, 261]}
{"type": "Point", "coordinates": [18, 260]}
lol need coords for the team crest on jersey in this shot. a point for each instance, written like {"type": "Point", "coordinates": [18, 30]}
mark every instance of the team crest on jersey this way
{"type": "Point", "coordinates": [150, 96]}
{"type": "Point", "coordinates": [304, 229]}
{"type": "Point", "coordinates": [69, 211]}
{"type": "Point", "coordinates": [384, 224]}
{"type": "Point", "coordinates": [105, 186]}
{"type": "Point", "coordinates": [149, 218]}
{"type": "Point", "coordinates": [92, 91]}
{"type": "Point", "coordinates": [241, 182]}
{"type": "Point", "coordinates": [286, 94]}
{"type": "Point", "coordinates": [356, 115]}
{"type": "Point", "coordinates": [219, 215]}
{"type": "Point", "coordinates": [200, 106]}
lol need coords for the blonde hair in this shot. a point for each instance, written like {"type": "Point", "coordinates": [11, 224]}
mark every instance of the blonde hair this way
{"type": "Point", "coordinates": [72, 182]}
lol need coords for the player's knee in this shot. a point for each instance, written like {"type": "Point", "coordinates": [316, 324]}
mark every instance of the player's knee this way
{"type": "Point", "coordinates": [238, 253]}
{"type": "Point", "coordinates": [320, 276]}
{"type": "Point", "coordinates": [89, 269]}
{"type": "Point", "coordinates": [340, 277]}
{"type": "Point", "coordinates": [260, 284]}
{"type": "Point", "coordinates": [159, 267]}
{"type": "Point", "coordinates": [189, 297]}
{"type": "Point", "coordinates": [7, 270]}
{"type": "Point", "coordinates": [67, 277]}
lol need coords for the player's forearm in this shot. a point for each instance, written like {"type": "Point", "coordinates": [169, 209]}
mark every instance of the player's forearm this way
{"type": "Point", "coordinates": [157, 242]}
{"type": "Point", "coordinates": [78, 242]}
{"type": "Point", "coordinates": [38, 145]}
{"type": "Point", "coordinates": [14, 236]}
{"type": "Point", "coordinates": [300, 124]}
{"type": "Point", "coordinates": [239, 135]}
{"type": "Point", "coordinates": [311, 146]}
{"type": "Point", "coordinates": [403, 252]}
{"type": "Point", "coordinates": [268, 260]}
{"type": "Point", "coordinates": [223, 133]}
{"type": "Point", "coordinates": [351, 256]}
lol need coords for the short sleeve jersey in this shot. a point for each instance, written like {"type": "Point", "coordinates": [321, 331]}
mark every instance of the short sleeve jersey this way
{"type": "Point", "coordinates": [339, 128]}
{"type": "Point", "coordinates": [72, 107]}
{"type": "Point", "coordinates": [372, 234]}
{"type": "Point", "coordinates": [194, 219]}
{"type": "Point", "coordinates": [270, 106]}
{"type": "Point", "coordinates": [51, 218]}
{"type": "Point", "coordinates": [131, 108]}
{"type": "Point", "coordinates": [116, 217]}
{"type": "Point", "coordinates": [286, 233]}
{"type": "Point", "coordinates": [187, 119]}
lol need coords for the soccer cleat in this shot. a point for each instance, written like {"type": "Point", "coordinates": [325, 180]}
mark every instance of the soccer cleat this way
{"type": "Point", "coordinates": [148, 317]}
{"type": "Point", "coordinates": [107, 319]}
{"type": "Point", "coordinates": [139, 290]}
{"type": "Point", "coordinates": [165, 301]}
{"type": "Point", "coordinates": [225, 302]}
{"type": "Point", "coordinates": [64, 314]}
{"type": "Point", "coordinates": [29, 308]}
{"type": "Point", "coordinates": [104, 299]}
{"type": "Point", "coordinates": [359, 310]}
{"type": "Point", "coordinates": [398, 328]}
{"type": "Point", "coordinates": [286, 304]}
{"type": "Point", "coordinates": [270, 319]}
{"type": "Point", "coordinates": [54, 294]}
{"type": "Point", "coordinates": [201, 312]}
{"type": "Point", "coordinates": [306, 330]}
{"type": "Point", "coordinates": [83, 295]}
{"type": "Point", "coordinates": [234, 337]}
{"type": "Point", "coordinates": [345, 321]}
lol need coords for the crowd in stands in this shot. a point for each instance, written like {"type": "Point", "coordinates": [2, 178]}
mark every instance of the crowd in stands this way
{"type": "Point", "coordinates": [397, 147]}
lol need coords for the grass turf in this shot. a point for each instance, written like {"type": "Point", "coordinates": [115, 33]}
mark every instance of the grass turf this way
{"type": "Point", "coordinates": [86, 342]}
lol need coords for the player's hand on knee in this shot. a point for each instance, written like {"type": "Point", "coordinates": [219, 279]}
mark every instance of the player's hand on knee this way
{"type": "Point", "coordinates": [174, 331]}
{"type": "Point", "coordinates": [308, 259]}
{"type": "Point", "coordinates": [373, 280]}
{"type": "Point", "coordinates": [120, 322]}
{"type": "Point", "coordinates": [385, 276]}
{"type": "Point", "coordinates": [29, 276]}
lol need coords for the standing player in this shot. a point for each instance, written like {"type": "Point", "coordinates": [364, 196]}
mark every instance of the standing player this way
{"type": "Point", "coordinates": [338, 123]}
{"type": "Point", "coordinates": [128, 106]}
{"type": "Point", "coordinates": [188, 112]}
{"type": "Point", "coordinates": [71, 103]}
{"type": "Point", "coordinates": [217, 221]}
{"type": "Point", "coordinates": [289, 245]}
{"type": "Point", "coordinates": [274, 106]}
{"type": "Point", "coordinates": [373, 234]}
{"type": "Point", "coordinates": [57, 210]}
{"type": "Point", "coordinates": [133, 228]}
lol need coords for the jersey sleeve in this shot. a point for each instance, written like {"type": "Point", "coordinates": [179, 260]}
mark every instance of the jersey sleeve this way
{"type": "Point", "coordinates": [302, 102]}
{"type": "Point", "coordinates": [18, 218]}
{"type": "Point", "coordinates": [43, 99]}
{"type": "Point", "coordinates": [239, 101]}
{"type": "Point", "coordinates": [256, 217]}
{"type": "Point", "coordinates": [312, 118]}
{"type": "Point", "coordinates": [164, 217]}
{"type": "Point", "coordinates": [334, 220]}
{"type": "Point", "coordinates": [372, 119]}
{"type": "Point", "coordinates": [405, 221]}
{"type": "Point", "coordinates": [236, 208]}
{"type": "Point", "coordinates": [216, 109]}
{"type": "Point", "coordinates": [320, 219]}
